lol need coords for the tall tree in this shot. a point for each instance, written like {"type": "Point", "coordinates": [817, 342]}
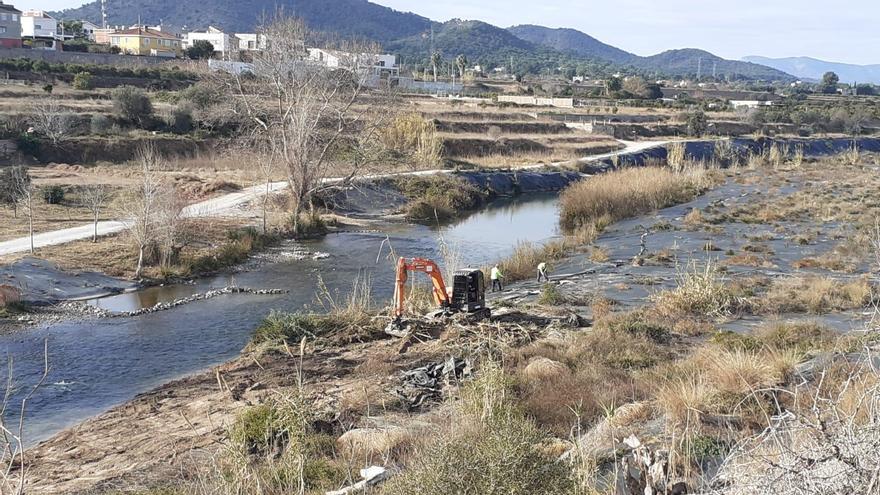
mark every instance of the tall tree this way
{"type": "Point", "coordinates": [461, 61]}
{"type": "Point", "coordinates": [436, 59]}
{"type": "Point", "coordinates": [302, 115]}
{"type": "Point", "coordinates": [93, 197]}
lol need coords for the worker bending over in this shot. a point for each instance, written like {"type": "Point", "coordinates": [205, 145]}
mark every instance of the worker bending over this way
{"type": "Point", "coordinates": [496, 277]}
{"type": "Point", "coordinates": [542, 272]}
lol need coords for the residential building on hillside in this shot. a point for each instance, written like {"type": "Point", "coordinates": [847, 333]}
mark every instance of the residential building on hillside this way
{"type": "Point", "coordinates": [146, 41]}
{"type": "Point", "coordinates": [381, 65]}
{"type": "Point", "coordinates": [39, 30]}
{"type": "Point", "coordinates": [10, 26]}
{"type": "Point", "coordinates": [102, 35]}
{"type": "Point", "coordinates": [89, 29]}
{"type": "Point", "coordinates": [224, 44]}
{"type": "Point", "coordinates": [38, 24]}
{"type": "Point", "coordinates": [251, 41]}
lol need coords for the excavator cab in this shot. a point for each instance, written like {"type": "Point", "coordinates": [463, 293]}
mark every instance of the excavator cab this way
{"type": "Point", "coordinates": [469, 291]}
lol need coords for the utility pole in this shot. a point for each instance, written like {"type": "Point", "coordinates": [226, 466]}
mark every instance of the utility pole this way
{"type": "Point", "coordinates": [715, 70]}
{"type": "Point", "coordinates": [699, 68]}
{"type": "Point", "coordinates": [104, 14]}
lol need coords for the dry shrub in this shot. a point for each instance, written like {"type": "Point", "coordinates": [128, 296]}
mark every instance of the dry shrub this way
{"type": "Point", "coordinates": [827, 442]}
{"type": "Point", "coordinates": [816, 295]}
{"type": "Point", "coordinates": [415, 137]}
{"type": "Point", "coordinates": [626, 193]}
{"type": "Point", "coordinates": [694, 218]}
{"type": "Point", "coordinates": [490, 448]}
{"type": "Point", "coordinates": [676, 156]}
{"type": "Point", "coordinates": [800, 336]}
{"type": "Point", "coordinates": [577, 399]}
{"type": "Point", "coordinates": [523, 262]}
{"type": "Point", "coordinates": [700, 292]}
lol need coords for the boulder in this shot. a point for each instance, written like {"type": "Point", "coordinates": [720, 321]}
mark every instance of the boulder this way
{"type": "Point", "coordinates": [545, 369]}
{"type": "Point", "coordinates": [369, 443]}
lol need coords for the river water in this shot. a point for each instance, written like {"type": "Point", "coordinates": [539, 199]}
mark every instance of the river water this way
{"type": "Point", "coordinates": [98, 364]}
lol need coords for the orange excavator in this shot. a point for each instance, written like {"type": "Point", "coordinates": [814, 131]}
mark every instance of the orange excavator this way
{"type": "Point", "coordinates": [467, 294]}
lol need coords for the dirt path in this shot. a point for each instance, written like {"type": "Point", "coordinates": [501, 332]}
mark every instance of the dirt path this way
{"type": "Point", "coordinates": [226, 204]}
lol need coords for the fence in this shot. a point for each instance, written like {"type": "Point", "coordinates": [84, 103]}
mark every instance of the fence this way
{"type": "Point", "coordinates": [539, 102]}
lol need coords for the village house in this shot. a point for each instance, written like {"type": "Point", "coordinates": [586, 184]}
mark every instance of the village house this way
{"type": "Point", "coordinates": [224, 44]}
{"type": "Point", "coordinates": [383, 66]}
{"type": "Point", "coordinates": [39, 30]}
{"type": "Point", "coordinates": [146, 41]}
{"type": "Point", "coordinates": [10, 26]}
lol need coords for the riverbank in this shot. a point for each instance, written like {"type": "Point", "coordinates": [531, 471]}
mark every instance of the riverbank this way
{"type": "Point", "coordinates": [774, 266]}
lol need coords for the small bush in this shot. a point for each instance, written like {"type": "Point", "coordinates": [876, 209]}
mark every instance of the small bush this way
{"type": "Point", "coordinates": [100, 124]}
{"type": "Point", "coordinates": [438, 198]}
{"type": "Point", "coordinates": [53, 195]}
{"type": "Point", "coordinates": [82, 81]}
{"type": "Point", "coordinates": [132, 104]}
{"type": "Point", "coordinates": [28, 144]}
{"type": "Point", "coordinates": [181, 120]}
{"type": "Point", "coordinates": [200, 96]}
{"type": "Point", "coordinates": [551, 295]}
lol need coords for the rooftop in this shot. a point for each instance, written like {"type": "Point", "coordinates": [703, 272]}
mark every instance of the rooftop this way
{"type": "Point", "coordinates": [139, 31]}
{"type": "Point", "coordinates": [9, 8]}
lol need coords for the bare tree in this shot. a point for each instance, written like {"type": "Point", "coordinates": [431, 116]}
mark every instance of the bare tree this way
{"type": "Point", "coordinates": [171, 231]}
{"type": "Point", "coordinates": [301, 111]}
{"type": "Point", "coordinates": [50, 119]}
{"type": "Point", "coordinates": [94, 197]}
{"type": "Point", "coordinates": [12, 435]}
{"type": "Point", "coordinates": [9, 186]}
{"type": "Point", "coordinates": [142, 207]}
{"type": "Point", "coordinates": [23, 191]}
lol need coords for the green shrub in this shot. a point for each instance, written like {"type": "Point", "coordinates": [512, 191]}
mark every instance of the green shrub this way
{"type": "Point", "coordinates": [131, 104]}
{"type": "Point", "coordinates": [83, 81]}
{"type": "Point", "coordinates": [48, 88]}
{"type": "Point", "coordinates": [28, 144]}
{"type": "Point", "coordinates": [53, 195]}
{"type": "Point", "coordinates": [181, 120]}
{"type": "Point", "coordinates": [551, 295]}
{"type": "Point", "coordinates": [201, 96]}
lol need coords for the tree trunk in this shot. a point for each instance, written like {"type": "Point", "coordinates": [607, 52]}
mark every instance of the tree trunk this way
{"type": "Point", "coordinates": [31, 229]}
{"type": "Point", "coordinates": [435, 73]}
{"type": "Point", "coordinates": [140, 265]}
{"type": "Point", "coordinates": [265, 206]}
{"type": "Point", "coordinates": [95, 234]}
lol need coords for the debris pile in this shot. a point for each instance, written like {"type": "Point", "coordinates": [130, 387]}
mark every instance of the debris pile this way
{"type": "Point", "coordinates": [425, 385]}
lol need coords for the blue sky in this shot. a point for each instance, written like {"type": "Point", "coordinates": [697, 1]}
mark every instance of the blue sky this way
{"type": "Point", "coordinates": [845, 31]}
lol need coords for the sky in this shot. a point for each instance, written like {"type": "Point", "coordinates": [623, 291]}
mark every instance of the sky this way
{"type": "Point", "coordinates": [844, 31]}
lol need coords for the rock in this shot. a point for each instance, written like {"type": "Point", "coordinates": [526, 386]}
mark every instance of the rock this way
{"type": "Point", "coordinates": [545, 369]}
{"type": "Point", "coordinates": [368, 443]}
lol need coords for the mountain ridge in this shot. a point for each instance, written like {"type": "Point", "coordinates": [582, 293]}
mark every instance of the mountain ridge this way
{"type": "Point", "coordinates": [813, 68]}
{"type": "Point", "coordinates": [530, 48]}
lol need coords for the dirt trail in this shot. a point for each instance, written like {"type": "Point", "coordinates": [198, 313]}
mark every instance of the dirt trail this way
{"type": "Point", "coordinates": [227, 204]}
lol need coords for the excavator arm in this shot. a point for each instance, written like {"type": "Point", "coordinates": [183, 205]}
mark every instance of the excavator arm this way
{"type": "Point", "coordinates": [406, 265]}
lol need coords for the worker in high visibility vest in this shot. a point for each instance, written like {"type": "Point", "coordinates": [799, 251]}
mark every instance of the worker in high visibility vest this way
{"type": "Point", "coordinates": [496, 277]}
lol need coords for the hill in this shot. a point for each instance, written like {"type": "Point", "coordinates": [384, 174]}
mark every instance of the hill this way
{"type": "Point", "coordinates": [684, 62]}
{"type": "Point", "coordinates": [813, 69]}
{"type": "Point", "coordinates": [532, 49]}
{"type": "Point", "coordinates": [344, 17]}
{"type": "Point", "coordinates": [571, 40]}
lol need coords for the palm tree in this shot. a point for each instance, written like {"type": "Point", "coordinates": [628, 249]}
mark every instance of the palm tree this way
{"type": "Point", "coordinates": [436, 58]}
{"type": "Point", "coordinates": [461, 61]}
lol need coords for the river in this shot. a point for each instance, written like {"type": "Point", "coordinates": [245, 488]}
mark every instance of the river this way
{"type": "Point", "coordinates": [95, 365]}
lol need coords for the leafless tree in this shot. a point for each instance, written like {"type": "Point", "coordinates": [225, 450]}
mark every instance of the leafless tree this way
{"type": "Point", "coordinates": [13, 462]}
{"type": "Point", "coordinates": [302, 112]}
{"type": "Point", "coordinates": [171, 231]}
{"type": "Point", "coordinates": [23, 191]}
{"type": "Point", "coordinates": [50, 119]}
{"type": "Point", "coordinates": [94, 197]}
{"type": "Point", "coordinates": [142, 208]}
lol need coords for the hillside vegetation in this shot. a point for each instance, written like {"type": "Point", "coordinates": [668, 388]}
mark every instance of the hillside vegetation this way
{"type": "Point", "coordinates": [532, 49]}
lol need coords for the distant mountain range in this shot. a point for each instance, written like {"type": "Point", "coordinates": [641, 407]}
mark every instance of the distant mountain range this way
{"type": "Point", "coordinates": [687, 61]}
{"type": "Point", "coordinates": [813, 69]}
{"type": "Point", "coordinates": [530, 48]}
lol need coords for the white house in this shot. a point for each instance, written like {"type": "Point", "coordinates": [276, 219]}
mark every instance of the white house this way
{"type": "Point", "coordinates": [381, 65]}
{"type": "Point", "coordinates": [250, 41]}
{"type": "Point", "coordinates": [224, 44]}
{"type": "Point", "coordinates": [89, 29]}
{"type": "Point", "coordinates": [38, 24]}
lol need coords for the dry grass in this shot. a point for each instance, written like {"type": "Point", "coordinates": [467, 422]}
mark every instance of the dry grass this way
{"type": "Point", "coordinates": [523, 263]}
{"type": "Point", "coordinates": [700, 292]}
{"type": "Point", "coordinates": [626, 193]}
{"type": "Point", "coordinates": [816, 295]}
